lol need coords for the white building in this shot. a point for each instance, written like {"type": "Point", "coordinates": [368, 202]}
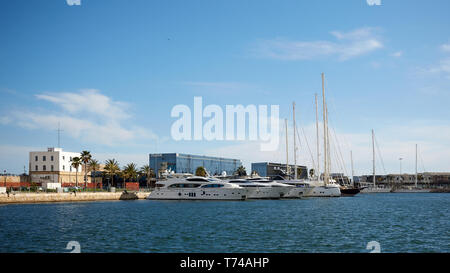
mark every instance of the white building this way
{"type": "Point", "coordinates": [54, 166]}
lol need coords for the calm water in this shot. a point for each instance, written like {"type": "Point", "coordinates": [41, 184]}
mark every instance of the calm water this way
{"type": "Point", "coordinates": [399, 222]}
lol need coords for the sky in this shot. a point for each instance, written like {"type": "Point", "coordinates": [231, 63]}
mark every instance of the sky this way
{"type": "Point", "coordinates": [111, 71]}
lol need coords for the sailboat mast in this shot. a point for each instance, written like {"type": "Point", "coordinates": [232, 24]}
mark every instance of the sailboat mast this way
{"type": "Point", "coordinates": [353, 174]}
{"type": "Point", "coordinates": [373, 157]}
{"type": "Point", "coordinates": [317, 139]}
{"type": "Point", "coordinates": [325, 174]}
{"type": "Point", "coordinates": [295, 147]}
{"type": "Point", "coordinates": [416, 165]}
{"type": "Point", "coordinates": [287, 150]}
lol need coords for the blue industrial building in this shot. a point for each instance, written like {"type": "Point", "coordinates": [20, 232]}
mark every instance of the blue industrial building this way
{"type": "Point", "coordinates": [186, 163]}
{"type": "Point", "coordinates": [277, 170]}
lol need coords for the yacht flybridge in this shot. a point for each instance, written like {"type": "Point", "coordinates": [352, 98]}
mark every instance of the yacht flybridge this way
{"type": "Point", "coordinates": [197, 188]}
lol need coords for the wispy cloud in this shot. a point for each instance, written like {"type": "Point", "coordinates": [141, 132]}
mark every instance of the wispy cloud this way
{"type": "Point", "coordinates": [442, 68]}
{"type": "Point", "coordinates": [397, 54]}
{"type": "Point", "coordinates": [445, 47]}
{"type": "Point", "coordinates": [87, 115]}
{"type": "Point", "coordinates": [347, 45]}
{"type": "Point", "coordinates": [373, 2]}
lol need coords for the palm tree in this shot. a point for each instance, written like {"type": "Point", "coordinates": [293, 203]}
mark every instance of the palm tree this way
{"type": "Point", "coordinates": [129, 171]}
{"type": "Point", "coordinates": [112, 168]}
{"type": "Point", "coordinates": [94, 166]}
{"type": "Point", "coordinates": [76, 162]}
{"type": "Point", "coordinates": [241, 171]}
{"type": "Point", "coordinates": [200, 171]}
{"type": "Point", "coordinates": [148, 172]}
{"type": "Point", "coordinates": [85, 158]}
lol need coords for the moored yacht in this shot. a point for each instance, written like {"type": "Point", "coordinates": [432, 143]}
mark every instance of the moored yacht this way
{"type": "Point", "coordinates": [270, 188]}
{"type": "Point", "coordinates": [258, 190]}
{"type": "Point", "coordinates": [197, 188]}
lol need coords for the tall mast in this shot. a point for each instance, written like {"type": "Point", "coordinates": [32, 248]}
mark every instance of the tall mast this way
{"type": "Point", "coordinates": [353, 174]}
{"type": "Point", "coordinates": [416, 165]}
{"type": "Point", "coordinates": [373, 157]}
{"type": "Point", "coordinates": [328, 146]}
{"type": "Point", "coordinates": [295, 147]}
{"type": "Point", "coordinates": [325, 155]}
{"type": "Point", "coordinates": [287, 150]}
{"type": "Point", "coordinates": [317, 140]}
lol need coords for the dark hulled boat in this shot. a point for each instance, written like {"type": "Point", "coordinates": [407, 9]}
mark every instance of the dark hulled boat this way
{"type": "Point", "coordinates": [349, 191]}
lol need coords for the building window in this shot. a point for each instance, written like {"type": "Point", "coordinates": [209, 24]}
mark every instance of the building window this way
{"type": "Point", "coordinates": [44, 158]}
{"type": "Point", "coordinates": [36, 167]}
{"type": "Point", "coordinates": [36, 158]}
{"type": "Point", "coordinates": [51, 158]}
{"type": "Point", "coordinates": [70, 168]}
{"type": "Point", "coordinates": [70, 158]}
{"type": "Point", "coordinates": [64, 157]}
{"type": "Point", "coordinates": [52, 168]}
{"type": "Point", "coordinates": [44, 168]}
{"type": "Point", "coordinates": [64, 167]}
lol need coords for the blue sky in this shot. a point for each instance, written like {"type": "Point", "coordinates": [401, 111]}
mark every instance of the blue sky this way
{"type": "Point", "coordinates": [111, 71]}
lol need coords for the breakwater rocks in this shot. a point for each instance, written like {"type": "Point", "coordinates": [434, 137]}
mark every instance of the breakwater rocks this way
{"type": "Point", "coordinates": [69, 197]}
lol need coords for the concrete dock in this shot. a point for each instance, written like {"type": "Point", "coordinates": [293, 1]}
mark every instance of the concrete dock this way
{"type": "Point", "coordinates": [69, 197]}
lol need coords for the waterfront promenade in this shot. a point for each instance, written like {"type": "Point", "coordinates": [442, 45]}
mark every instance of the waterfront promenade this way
{"type": "Point", "coordinates": [69, 197]}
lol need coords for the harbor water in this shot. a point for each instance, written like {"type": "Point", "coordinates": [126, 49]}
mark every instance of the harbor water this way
{"type": "Point", "coordinates": [398, 222]}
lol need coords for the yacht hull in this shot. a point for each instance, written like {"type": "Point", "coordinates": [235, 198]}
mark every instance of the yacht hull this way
{"type": "Point", "coordinates": [268, 193]}
{"type": "Point", "coordinates": [296, 192]}
{"type": "Point", "coordinates": [199, 194]}
{"type": "Point", "coordinates": [321, 191]}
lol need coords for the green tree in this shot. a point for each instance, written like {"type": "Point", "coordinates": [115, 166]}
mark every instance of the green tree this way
{"type": "Point", "coordinates": [93, 167]}
{"type": "Point", "coordinates": [85, 158]}
{"type": "Point", "coordinates": [76, 162]}
{"type": "Point", "coordinates": [200, 171]}
{"type": "Point", "coordinates": [129, 172]}
{"type": "Point", "coordinates": [148, 172]}
{"type": "Point", "coordinates": [112, 168]}
{"type": "Point", "coordinates": [241, 171]}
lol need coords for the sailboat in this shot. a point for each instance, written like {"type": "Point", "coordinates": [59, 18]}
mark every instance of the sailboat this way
{"type": "Point", "coordinates": [350, 190]}
{"type": "Point", "coordinates": [374, 188]}
{"type": "Point", "coordinates": [326, 187]}
{"type": "Point", "coordinates": [414, 189]}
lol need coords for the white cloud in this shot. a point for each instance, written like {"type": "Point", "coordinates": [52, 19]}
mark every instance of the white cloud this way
{"type": "Point", "coordinates": [397, 54]}
{"type": "Point", "coordinates": [443, 68]}
{"type": "Point", "coordinates": [445, 47]}
{"type": "Point", "coordinates": [348, 45]}
{"type": "Point", "coordinates": [88, 101]}
{"type": "Point", "coordinates": [87, 115]}
{"type": "Point", "coordinates": [73, 2]}
{"type": "Point", "coordinates": [373, 2]}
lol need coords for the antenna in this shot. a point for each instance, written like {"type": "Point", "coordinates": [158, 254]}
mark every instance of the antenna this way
{"type": "Point", "coordinates": [59, 135]}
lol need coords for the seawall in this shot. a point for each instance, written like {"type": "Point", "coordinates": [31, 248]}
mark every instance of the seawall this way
{"type": "Point", "coordinates": [69, 197]}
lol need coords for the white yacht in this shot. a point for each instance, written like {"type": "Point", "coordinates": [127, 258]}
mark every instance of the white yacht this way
{"type": "Point", "coordinates": [319, 189]}
{"type": "Point", "coordinates": [312, 188]}
{"type": "Point", "coordinates": [197, 188]}
{"type": "Point", "coordinates": [257, 190]}
{"type": "Point", "coordinates": [270, 188]}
